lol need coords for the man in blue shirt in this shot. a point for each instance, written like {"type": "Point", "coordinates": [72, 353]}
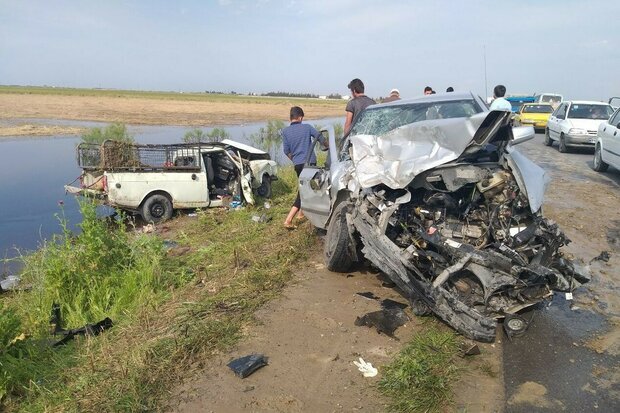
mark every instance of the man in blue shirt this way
{"type": "Point", "coordinates": [297, 143]}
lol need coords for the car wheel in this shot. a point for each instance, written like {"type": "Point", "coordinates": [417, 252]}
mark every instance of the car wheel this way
{"type": "Point", "coordinates": [562, 145]}
{"type": "Point", "coordinates": [599, 164]}
{"type": "Point", "coordinates": [156, 208]}
{"type": "Point", "coordinates": [337, 251]}
{"type": "Point", "coordinates": [264, 190]}
{"type": "Point", "coordinates": [547, 141]}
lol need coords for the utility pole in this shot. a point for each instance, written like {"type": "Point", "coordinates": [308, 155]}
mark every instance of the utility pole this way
{"type": "Point", "coordinates": [484, 54]}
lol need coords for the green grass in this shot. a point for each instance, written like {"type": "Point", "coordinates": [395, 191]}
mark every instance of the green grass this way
{"type": "Point", "coordinates": [171, 313]}
{"type": "Point", "coordinates": [167, 95]}
{"type": "Point", "coordinates": [421, 376]}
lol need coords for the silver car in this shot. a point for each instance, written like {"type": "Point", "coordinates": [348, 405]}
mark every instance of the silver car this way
{"type": "Point", "coordinates": [434, 194]}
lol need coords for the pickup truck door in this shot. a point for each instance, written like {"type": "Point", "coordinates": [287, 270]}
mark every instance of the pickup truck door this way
{"type": "Point", "coordinates": [314, 185]}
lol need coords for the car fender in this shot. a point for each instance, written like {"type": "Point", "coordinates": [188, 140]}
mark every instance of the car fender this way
{"type": "Point", "coordinates": [260, 168]}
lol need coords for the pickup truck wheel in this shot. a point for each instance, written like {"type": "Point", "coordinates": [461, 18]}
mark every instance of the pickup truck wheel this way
{"type": "Point", "coordinates": [562, 145]}
{"type": "Point", "coordinates": [338, 241]}
{"type": "Point", "coordinates": [547, 141]}
{"type": "Point", "coordinates": [264, 190]}
{"type": "Point", "coordinates": [599, 164]}
{"type": "Point", "coordinates": [156, 208]}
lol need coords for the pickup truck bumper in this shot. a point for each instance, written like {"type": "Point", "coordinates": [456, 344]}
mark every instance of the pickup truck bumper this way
{"type": "Point", "coordinates": [91, 193]}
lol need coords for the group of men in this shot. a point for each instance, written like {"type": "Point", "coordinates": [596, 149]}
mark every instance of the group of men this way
{"type": "Point", "coordinates": [297, 137]}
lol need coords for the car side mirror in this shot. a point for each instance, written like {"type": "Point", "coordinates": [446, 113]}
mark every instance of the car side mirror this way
{"type": "Point", "coordinates": [521, 134]}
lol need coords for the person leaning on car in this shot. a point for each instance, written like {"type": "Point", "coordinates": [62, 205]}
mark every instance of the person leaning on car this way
{"type": "Point", "coordinates": [356, 105]}
{"type": "Point", "coordinates": [297, 144]}
{"type": "Point", "coordinates": [499, 103]}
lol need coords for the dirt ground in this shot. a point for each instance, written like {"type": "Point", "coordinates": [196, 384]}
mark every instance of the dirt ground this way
{"type": "Point", "coordinates": [151, 111]}
{"type": "Point", "coordinates": [29, 129]}
{"type": "Point", "coordinates": [311, 341]}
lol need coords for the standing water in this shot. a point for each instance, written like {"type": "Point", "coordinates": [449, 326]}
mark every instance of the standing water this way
{"type": "Point", "coordinates": [35, 169]}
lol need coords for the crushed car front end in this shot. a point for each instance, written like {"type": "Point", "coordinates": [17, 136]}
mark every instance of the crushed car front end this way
{"type": "Point", "coordinates": [451, 212]}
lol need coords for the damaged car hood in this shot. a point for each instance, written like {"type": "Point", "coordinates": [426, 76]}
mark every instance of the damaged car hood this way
{"type": "Point", "coordinates": [395, 158]}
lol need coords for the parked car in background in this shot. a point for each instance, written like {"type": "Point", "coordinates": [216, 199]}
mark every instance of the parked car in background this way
{"type": "Point", "coordinates": [534, 114]}
{"type": "Point", "coordinates": [575, 123]}
{"type": "Point", "coordinates": [607, 149]}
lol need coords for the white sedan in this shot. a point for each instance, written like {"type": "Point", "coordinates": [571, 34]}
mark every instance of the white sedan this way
{"type": "Point", "coordinates": [607, 150]}
{"type": "Point", "coordinates": [575, 123]}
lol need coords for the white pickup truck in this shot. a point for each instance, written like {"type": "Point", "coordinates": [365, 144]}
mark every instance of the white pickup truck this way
{"type": "Point", "coordinates": [153, 180]}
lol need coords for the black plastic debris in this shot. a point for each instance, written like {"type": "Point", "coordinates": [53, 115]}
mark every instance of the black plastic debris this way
{"type": "Point", "coordinates": [244, 366]}
{"type": "Point", "coordinates": [368, 295]}
{"type": "Point", "coordinates": [384, 321]}
{"type": "Point", "coordinates": [87, 330]}
{"type": "Point", "coordinates": [603, 256]}
{"type": "Point", "coordinates": [389, 304]}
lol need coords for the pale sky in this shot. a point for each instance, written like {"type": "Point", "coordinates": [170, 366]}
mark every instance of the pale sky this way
{"type": "Point", "coordinates": [315, 46]}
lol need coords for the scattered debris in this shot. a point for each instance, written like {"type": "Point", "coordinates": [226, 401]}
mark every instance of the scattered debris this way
{"type": "Point", "coordinates": [261, 218]}
{"type": "Point", "coordinates": [148, 228]}
{"type": "Point", "coordinates": [169, 244]}
{"type": "Point", "coordinates": [389, 304]}
{"type": "Point", "coordinates": [87, 330]}
{"type": "Point", "coordinates": [603, 256]}
{"type": "Point", "coordinates": [385, 321]}
{"type": "Point", "coordinates": [366, 368]}
{"type": "Point", "coordinates": [10, 283]}
{"type": "Point", "coordinates": [469, 348]}
{"type": "Point", "coordinates": [369, 295]}
{"type": "Point", "coordinates": [267, 205]}
{"type": "Point", "coordinates": [193, 214]}
{"type": "Point", "coordinates": [244, 366]}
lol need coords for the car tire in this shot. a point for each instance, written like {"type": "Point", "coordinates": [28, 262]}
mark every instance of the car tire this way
{"type": "Point", "coordinates": [337, 249]}
{"type": "Point", "coordinates": [547, 141]}
{"type": "Point", "coordinates": [264, 190]}
{"type": "Point", "coordinates": [599, 164]}
{"type": "Point", "coordinates": [156, 208]}
{"type": "Point", "coordinates": [562, 144]}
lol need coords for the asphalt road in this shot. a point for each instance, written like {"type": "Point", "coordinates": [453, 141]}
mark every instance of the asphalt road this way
{"type": "Point", "coordinates": [554, 367]}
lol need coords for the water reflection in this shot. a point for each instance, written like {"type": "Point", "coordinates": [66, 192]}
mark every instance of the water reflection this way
{"type": "Point", "coordinates": [34, 169]}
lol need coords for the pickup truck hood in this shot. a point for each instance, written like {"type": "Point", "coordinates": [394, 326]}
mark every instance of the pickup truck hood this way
{"type": "Point", "coordinates": [395, 158]}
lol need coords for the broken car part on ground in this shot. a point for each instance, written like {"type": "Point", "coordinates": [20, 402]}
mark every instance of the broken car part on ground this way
{"type": "Point", "coordinates": [433, 193]}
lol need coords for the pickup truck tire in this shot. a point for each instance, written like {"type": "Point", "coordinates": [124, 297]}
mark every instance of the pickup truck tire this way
{"type": "Point", "coordinates": [264, 190]}
{"type": "Point", "coordinates": [338, 241]}
{"type": "Point", "coordinates": [156, 208]}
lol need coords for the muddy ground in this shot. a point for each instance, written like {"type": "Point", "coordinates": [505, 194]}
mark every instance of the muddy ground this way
{"type": "Point", "coordinates": [207, 111]}
{"type": "Point", "coordinates": [567, 361]}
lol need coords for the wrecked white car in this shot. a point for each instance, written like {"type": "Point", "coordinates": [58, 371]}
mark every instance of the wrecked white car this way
{"type": "Point", "coordinates": [153, 180]}
{"type": "Point", "coordinates": [434, 194]}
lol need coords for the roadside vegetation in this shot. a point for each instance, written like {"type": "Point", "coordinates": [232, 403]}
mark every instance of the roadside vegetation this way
{"type": "Point", "coordinates": [173, 304]}
{"type": "Point", "coordinates": [115, 131]}
{"type": "Point", "coordinates": [421, 376]}
{"type": "Point", "coordinates": [198, 135]}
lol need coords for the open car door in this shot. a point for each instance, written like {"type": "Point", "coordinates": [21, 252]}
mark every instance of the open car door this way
{"type": "Point", "coordinates": [315, 182]}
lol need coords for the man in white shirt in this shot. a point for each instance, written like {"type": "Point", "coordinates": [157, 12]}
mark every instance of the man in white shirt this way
{"type": "Point", "coordinates": [499, 103]}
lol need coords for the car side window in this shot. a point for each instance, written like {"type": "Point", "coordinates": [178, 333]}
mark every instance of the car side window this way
{"type": "Point", "coordinates": [561, 114]}
{"type": "Point", "coordinates": [615, 119]}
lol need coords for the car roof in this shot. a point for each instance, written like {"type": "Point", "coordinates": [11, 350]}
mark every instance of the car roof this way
{"type": "Point", "coordinates": [586, 102]}
{"type": "Point", "coordinates": [537, 104]}
{"type": "Point", "coordinates": [437, 97]}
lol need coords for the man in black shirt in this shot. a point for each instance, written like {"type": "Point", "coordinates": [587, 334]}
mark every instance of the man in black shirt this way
{"type": "Point", "coordinates": [356, 105]}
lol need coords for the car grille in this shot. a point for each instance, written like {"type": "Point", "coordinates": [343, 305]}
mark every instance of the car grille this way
{"type": "Point", "coordinates": [591, 132]}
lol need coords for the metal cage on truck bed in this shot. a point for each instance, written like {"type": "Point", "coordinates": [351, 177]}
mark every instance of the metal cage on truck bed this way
{"type": "Point", "coordinates": [122, 156]}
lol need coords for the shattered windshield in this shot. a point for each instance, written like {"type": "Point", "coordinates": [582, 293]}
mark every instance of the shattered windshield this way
{"type": "Point", "coordinates": [380, 120]}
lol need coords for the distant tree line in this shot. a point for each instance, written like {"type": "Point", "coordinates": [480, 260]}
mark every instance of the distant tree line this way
{"type": "Point", "coordinates": [290, 95]}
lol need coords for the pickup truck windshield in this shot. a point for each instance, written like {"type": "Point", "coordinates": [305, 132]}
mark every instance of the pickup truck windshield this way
{"type": "Point", "coordinates": [380, 120]}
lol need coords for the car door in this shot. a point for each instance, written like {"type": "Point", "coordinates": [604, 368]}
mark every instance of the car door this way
{"type": "Point", "coordinates": [560, 119]}
{"type": "Point", "coordinates": [611, 140]}
{"type": "Point", "coordinates": [315, 184]}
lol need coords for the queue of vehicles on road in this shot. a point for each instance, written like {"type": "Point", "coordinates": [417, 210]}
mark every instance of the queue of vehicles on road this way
{"type": "Point", "coordinates": [572, 124]}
